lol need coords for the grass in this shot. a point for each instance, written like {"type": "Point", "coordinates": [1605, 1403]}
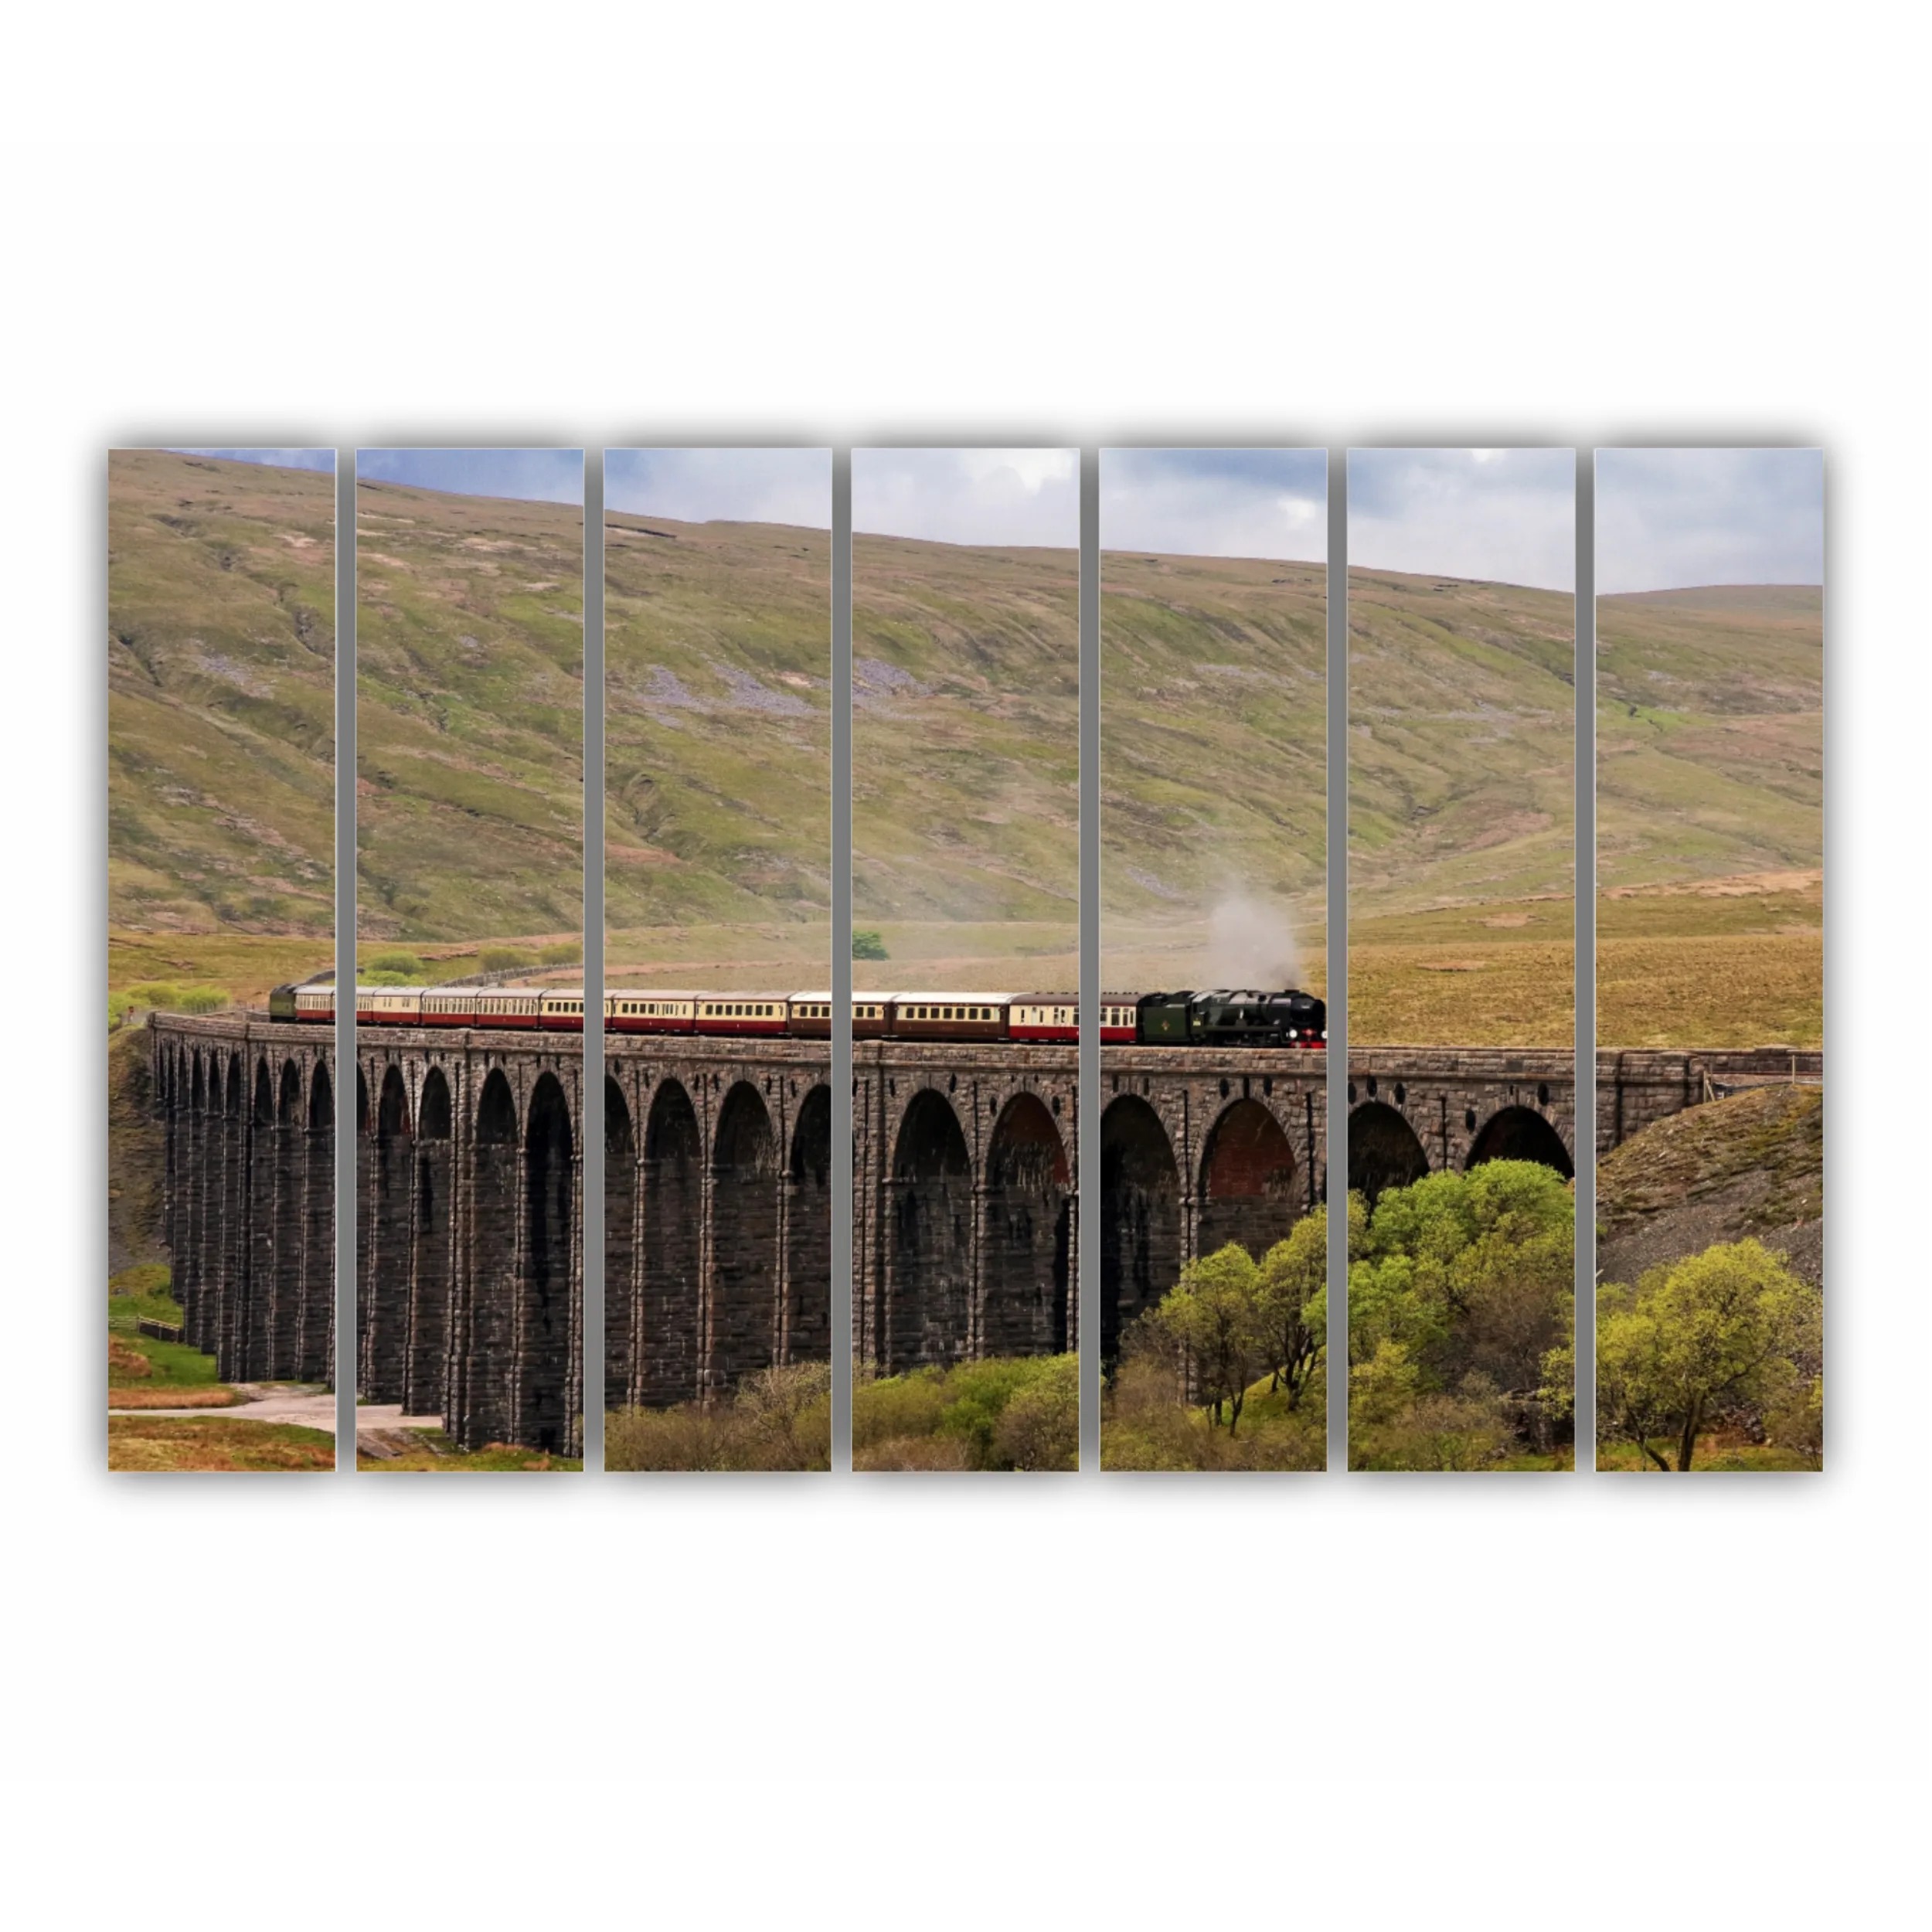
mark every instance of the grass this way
{"type": "Point", "coordinates": [431, 1450]}
{"type": "Point", "coordinates": [1715, 1455]}
{"type": "Point", "coordinates": [159, 1443]}
{"type": "Point", "coordinates": [1772, 1133]}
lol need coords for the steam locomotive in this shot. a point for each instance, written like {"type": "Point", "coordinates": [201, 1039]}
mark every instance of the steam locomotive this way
{"type": "Point", "coordinates": [1218, 1018]}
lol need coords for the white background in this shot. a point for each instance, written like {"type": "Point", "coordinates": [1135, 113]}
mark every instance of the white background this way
{"type": "Point", "coordinates": [1337, 1701]}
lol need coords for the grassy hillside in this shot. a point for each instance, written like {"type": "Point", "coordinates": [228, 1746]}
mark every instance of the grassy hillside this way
{"type": "Point", "coordinates": [1750, 1164]}
{"type": "Point", "coordinates": [965, 736]}
{"type": "Point", "coordinates": [221, 669]}
{"type": "Point", "coordinates": [718, 742]}
{"type": "Point", "coordinates": [1461, 735]}
{"type": "Point", "coordinates": [1213, 771]}
{"type": "Point", "coordinates": [1710, 784]}
{"type": "Point", "coordinates": [469, 715]}
{"type": "Point", "coordinates": [1709, 734]}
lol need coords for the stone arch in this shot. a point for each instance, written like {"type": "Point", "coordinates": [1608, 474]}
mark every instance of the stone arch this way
{"type": "Point", "coordinates": [543, 1355]}
{"type": "Point", "coordinates": [432, 1252]}
{"type": "Point", "coordinates": [1029, 1228]}
{"type": "Point", "coordinates": [386, 1287]}
{"type": "Point", "coordinates": [1522, 1134]}
{"type": "Point", "coordinates": [1384, 1150]}
{"type": "Point", "coordinates": [490, 1302]}
{"type": "Point", "coordinates": [673, 1210]}
{"type": "Point", "coordinates": [619, 1247]}
{"type": "Point", "coordinates": [807, 1315]}
{"type": "Point", "coordinates": [1248, 1180]}
{"type": "Point", "coordinates": [744, 1239]}
{"type": "Point", "coordinates": [314, 1351]}
{"type": "Point", "coordinates": [930, 1261]}
{"type": "Point", "coordinates": [1140, 1216]}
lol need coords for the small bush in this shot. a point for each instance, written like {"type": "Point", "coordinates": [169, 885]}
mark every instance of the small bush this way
{"type": "Point", "coordinates": [565, 952]}
{"type": "Point", "coordinates": [403, 966]}
{"type": "Point", "coordinates": [778, 1419]}
{"type": "Point", "coordinates": [502, 959]}
{"type": "Point", "coordinates": [907, 1405]}
{"type": "Point", "coordinates": [203, 999]}
{"type": "Point", "coordinates": [1009, 1413]}
{"type": "Point", "coordinates": [867, 943]}
{"type": "Point", "coordinates": [1040, 1428]}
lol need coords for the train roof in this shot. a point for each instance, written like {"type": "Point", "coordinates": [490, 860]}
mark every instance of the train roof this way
{"type": "Point", "coordinates": [1046, 999]}
{"type": "Point", "coordinates": [948, 996]}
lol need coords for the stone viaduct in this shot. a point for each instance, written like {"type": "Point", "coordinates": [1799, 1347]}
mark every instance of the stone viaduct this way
{"type": "Point", "coordinates": [718, 1203]}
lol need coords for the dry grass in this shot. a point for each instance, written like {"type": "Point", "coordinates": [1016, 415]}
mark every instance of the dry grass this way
{"type": "Point", "coordinates": [1732, 990]}
{"type": "Point", "coordinates": [217, 1395]}
{"type": "Point", "coordinates": [160, 1442]}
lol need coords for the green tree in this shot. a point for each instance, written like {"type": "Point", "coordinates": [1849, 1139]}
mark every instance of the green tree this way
{"type": "Point", "coordinates": [1732, 1326]}
{"type": "Point", "coordinates": [1212, 1318]}
{"type": "Point", "coordinates": [1292, 1294]}
{"type": "Point", "coordinates": [867, 944]}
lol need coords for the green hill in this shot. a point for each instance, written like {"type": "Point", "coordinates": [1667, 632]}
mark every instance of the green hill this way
{"type": "Point", "coordinates": [469, 715]}
{"type": "Point", "coordinates": [1461, 733]}
{"type": "Point", "coordinates": [717, 726]}
{"type": "Point", "coordinates": [1709, 734]}
{"type": "Point", "coordinates": [221, 674]}
{"type": "Point", "coordinates": [965, 735]}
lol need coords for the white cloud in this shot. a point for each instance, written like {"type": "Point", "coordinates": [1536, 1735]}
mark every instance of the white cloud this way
{"type": "Point", "coordinates": [989, 496]}
{"type": "Point", "coordinates": [789, 486]}
{"type": "Point", "coordinates": [1501, 516]}
{"type": "Point", "coordinates": [1217, 502]}
{"type": "Point", "coordinates": [1667, 519]}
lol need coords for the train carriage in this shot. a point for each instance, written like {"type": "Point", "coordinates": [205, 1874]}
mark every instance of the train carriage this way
{"type": "Point", "coordinates": [561, 1012]}
{"type": "Point", "coordinates": [962, 1016]}
{"type": "Point", "coordinates": [809, 1016]}
{"type": "Point", "coordinates": [743, 1013]}
{"type": "Point", "coordinates": [517, 1007]}
{"type": "Point", "coordinates": [637, 1012]}
{"type": "Point", "coordinates": [870, 1012]}
{"type": "Point", "coordinates": [388, 1005]}
{"type": "Point", "coordinates": [1119, 1020]}
{"type": "Point", "coordinates": [1042, 1018]}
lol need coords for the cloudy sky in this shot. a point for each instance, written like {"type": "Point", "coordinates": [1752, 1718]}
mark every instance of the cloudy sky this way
{"type": "Point", "coordinates": [1669, 519]}
{"type": "Point", "coordinates": [322, 459]}
{"type": "Point", "coordinates": [736, 486]}
{"type": "Point", "coordinates": [1257, 503]}
{"type": "Point", "coordinates": [968, 496]}
{"type": "Point", "coordinates": [1505, 516]}
{"type": "Point", "coordinates": [531, 476]}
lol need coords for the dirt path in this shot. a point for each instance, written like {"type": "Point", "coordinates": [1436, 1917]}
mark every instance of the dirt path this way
{"type": "Point", "coordinates": [270, 1402]}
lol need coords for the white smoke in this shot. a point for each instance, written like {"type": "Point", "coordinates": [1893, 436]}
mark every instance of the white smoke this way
{"type": "Point", "coordinates": [1250, 944]}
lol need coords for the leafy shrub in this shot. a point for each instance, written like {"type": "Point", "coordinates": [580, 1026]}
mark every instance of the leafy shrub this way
{"type": "Point", "coordinates": [981, 1415]}
{"type": "Point", "coordinates": [867, 943]}
{"type": "Point", "coordinates": [565, 952]}
{"type": "Point", "coordinates": [778, 1419]}
{"type": "Point", "coordinates": [502, 959]}
{"type": "Point", "coordinates": [164, 996]}
{"type": "Point", "coordinates": [402, 967]}
{"type": "Point", "coordinates": [907, 1405]}
{"type": "Point", "coordinates": [1039, 1428]}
